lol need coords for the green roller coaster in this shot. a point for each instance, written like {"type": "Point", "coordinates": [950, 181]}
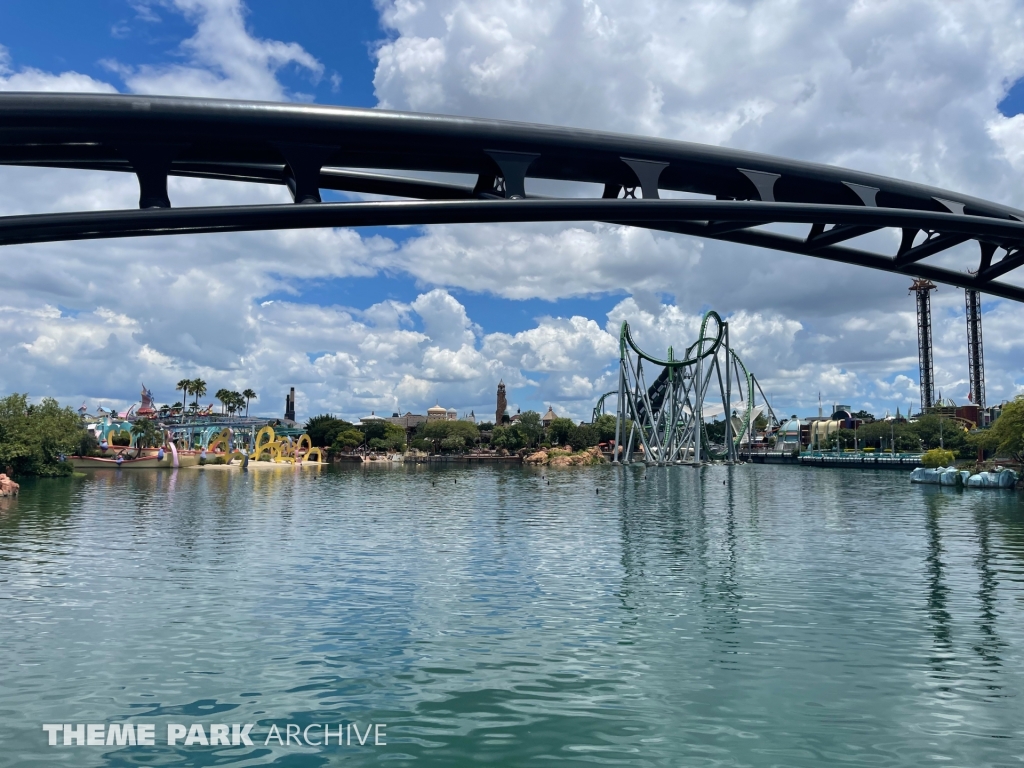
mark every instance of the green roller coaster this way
{"type": "Point", "coordinates": [664, 422]}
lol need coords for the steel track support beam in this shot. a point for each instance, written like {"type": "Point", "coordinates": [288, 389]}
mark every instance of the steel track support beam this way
{"type": "Point", "coordinates": [934, 244]}
{"type": "Point", "coordinates": [302, 169]}
{"type": "Point", "coordinates": [820, 238]}
{"type": "Point", "coordinates": [513, 166]}
{"type": "Point", "coordinates": [152, 165]}
{"type": "Point", "coordinates": [647, 172]}
{"type": "Point", "coordinates": [1013, 259]}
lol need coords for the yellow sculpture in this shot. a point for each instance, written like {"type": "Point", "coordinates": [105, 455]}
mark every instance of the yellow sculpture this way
{"type": "Point", "coordinates": [282, 450]}
{"type": "Point", "coordinates": [223, 440]}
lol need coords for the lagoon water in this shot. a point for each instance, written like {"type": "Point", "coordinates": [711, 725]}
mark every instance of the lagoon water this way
{"type": "Point", "coordinates": [729, 616]}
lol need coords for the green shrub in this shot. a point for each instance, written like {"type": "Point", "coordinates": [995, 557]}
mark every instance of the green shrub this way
{"type": "Point", "coordinates": [938, 457]}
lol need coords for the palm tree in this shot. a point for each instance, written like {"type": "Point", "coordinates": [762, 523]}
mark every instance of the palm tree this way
{"type": "Point", "coordinates": [248, 394]}
{"type": "Point", "coordinates": [198, 389]}
{"type": "Point", "coordinates": [147, 433]}
{"type": "Point", "coordinates": [185, 385]}
{"type": "Point", "coordinates": [224, 395]}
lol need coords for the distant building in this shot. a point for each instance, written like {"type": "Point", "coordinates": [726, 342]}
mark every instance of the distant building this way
{"type": "Point", "coordinates": [548, 417]}
{"type": "Point", "coordinates": [372, 418]}
{"type": "Point", "coordinates": [409, 422]}
{"type": "Point", "coordinates": [821, 428]}
{"type": "Point", "coordinates": [438, 412]}
{"type": "Point", "coordinates": [289, 405]}
{"type": "Point", "coordinates": [470, 417]}
{"type": "Point", "coordinates": [788, 436]}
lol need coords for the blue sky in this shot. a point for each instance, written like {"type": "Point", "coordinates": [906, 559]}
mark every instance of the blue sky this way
{"type": "Point", "coordinates": [458, 307]}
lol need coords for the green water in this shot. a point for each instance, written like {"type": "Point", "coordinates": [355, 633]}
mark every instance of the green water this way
{"type": "Point", "coordinates": [744, 616]}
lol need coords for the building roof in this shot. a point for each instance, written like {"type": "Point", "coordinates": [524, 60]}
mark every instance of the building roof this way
{"type": "Point", "coordinates": [436, 409]}
{"type": "Point", "coordinates": [550, 415]}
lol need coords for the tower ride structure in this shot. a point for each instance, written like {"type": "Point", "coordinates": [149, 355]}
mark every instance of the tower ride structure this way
{"type": "Point", "coordinates": [923, 289]}
{"type": "Point", "coordinates": [975, 353]}
{"type": "Point", "coordinates": [662, 403]}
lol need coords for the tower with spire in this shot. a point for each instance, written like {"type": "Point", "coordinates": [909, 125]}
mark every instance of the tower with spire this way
{"type": "Point", "coordinates": [502, 402]}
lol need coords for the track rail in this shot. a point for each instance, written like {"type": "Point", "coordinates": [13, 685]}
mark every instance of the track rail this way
{"type": "Point", "coordinates": [312, 148]}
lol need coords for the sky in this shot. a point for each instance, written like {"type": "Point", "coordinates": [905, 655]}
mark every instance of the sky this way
{"type": "Point", "coordinates": [398, 319]}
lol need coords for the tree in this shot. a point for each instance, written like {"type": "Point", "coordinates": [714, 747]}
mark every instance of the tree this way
{"type": "Point", "coordinates": [1006, 435]}
{"type": "Point", "coordinates": [323, 429]}
{"type": "Point", "coordinates": [864, 416]}
{"type": "Point", "coordinates": [453, 443]}
{"type": "Point", "coordinates": [147, 434]}
{"type": "Point", "coordinates": [438, 431]}
{"type": "Point", "coordinates": [936, 431]}
{"type": "Point", "coordinates": [33, 438]}
{"type": "Point", "coordinates": [235, 402]}
{"type": "Point", "coordinates": [715, 431]}
{"type": "Point", "coordinates": [223, 395]}
{"type": "Point", "coordinates": [507, 438]}
{"type": "Point", "coordinates": [347, 439]}
{"type": "Point", "coordinates": [383, 435]}
{"type": "Point", "coordinates": [185, 385]}
{"type": "Point", "coordinates": [248, 394]}
{"type": "Point", "coordinates": [605, 426]}
{"type": "Point", "coordinates": [559, 429]}
{"type": "Point", "coordinates": [582, 437]}
{"type": "Point", "coordinates": [882, 434]}
{"type": "Point", "coordinates": [530, 426]}
{"type": "Point", "coordinates": [198, 388]}
{"type": "Point", "coordinates": [841, 437]}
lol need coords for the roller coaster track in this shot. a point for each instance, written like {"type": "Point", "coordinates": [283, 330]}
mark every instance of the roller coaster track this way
{"type": "Point", "coordinates": [311, 148]}
{"type": "Point", "coordinates": [646, 410]}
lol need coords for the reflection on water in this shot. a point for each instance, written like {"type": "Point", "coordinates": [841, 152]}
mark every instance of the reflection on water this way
{"type": "Point", "coordinates": [727, 616]}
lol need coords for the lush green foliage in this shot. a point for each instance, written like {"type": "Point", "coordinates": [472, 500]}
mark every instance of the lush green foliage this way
{"type": "Point", "coordinates": [715, 431]}
{"type": "Point", "coordinates": [605, 426]}
{"type": "Point", "coordinates": [924, 434]}
{"type": "Point", "coordinates": [1006, 435]}
{"type": "Point", "coordinates": [347, 439]}
{"type": "Point", "coordinates": [248, 394]}
{"type": "Point", "coordinates": [384, 436]}
{"type": "Point", "coordinates": [509, 438]}
{"type": "Point", "coordinates": [559, 429]}
{"type": "Point", "coordinates": [530, 427]}
{"type": "Point", "coordinates": [450, 435]}
{"type": "Point", "coordinates": [324, 429]}
{"type": "Point", "coordinates": [147, 434]}
{"type": "Point", "coordinates": [938, 457]}
{"type": "Point", "coordinates": [583, 436]}
{"type": "Point", "coordinates": [231, 401]}
{"type": "Point", "coordinates": [33, 437]}
{"type": "Point", "coordinates": [121, 439]}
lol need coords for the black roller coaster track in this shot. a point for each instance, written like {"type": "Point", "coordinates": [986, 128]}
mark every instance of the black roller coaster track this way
{"type": "Point", "coordinates": [310, 148]}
